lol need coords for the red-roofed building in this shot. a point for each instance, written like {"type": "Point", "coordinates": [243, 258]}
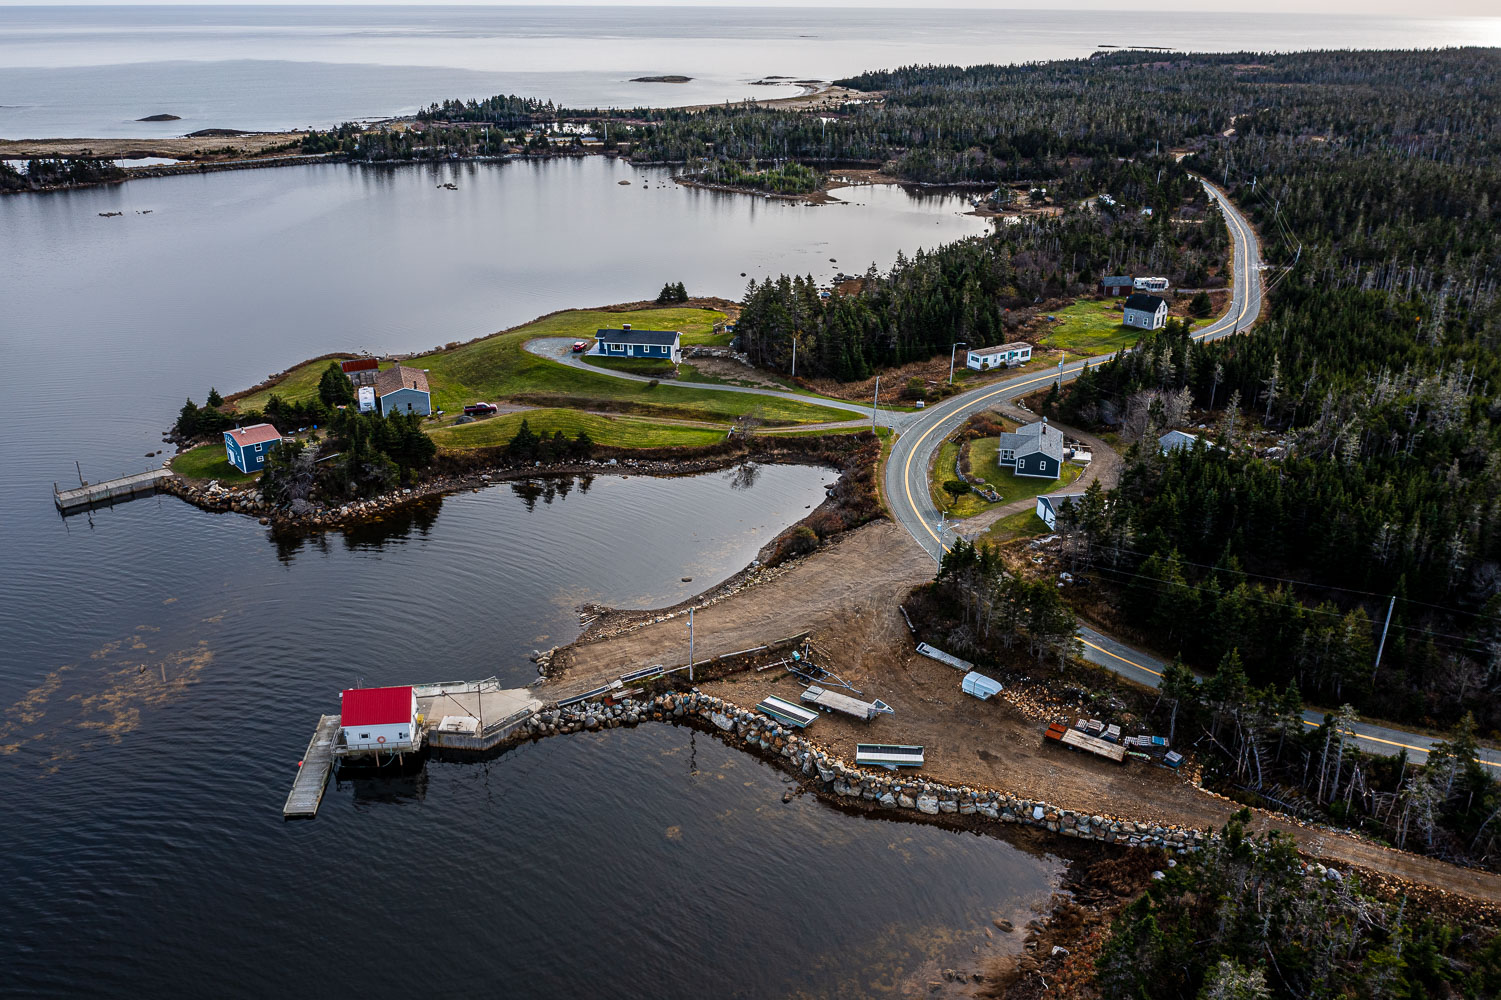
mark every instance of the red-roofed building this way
{"type": "Point", "coordinates": [359, 365]}
{"type": "Point", "coordinates": [246, 448]}
{"type": "Point", "coordinates": [379, 718]}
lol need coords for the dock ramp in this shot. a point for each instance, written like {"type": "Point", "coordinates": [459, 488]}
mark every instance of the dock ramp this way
{"type": "Point", "coordinates": [312, 776]}
{"type": "Point", "coordinates": [830, 701]}
{"type": "Point", "coordinates": [889, 755]}
{"type": "Point", "coordinates": [123, 488]}
{"type": "Point", "coordinates": [947, 659]}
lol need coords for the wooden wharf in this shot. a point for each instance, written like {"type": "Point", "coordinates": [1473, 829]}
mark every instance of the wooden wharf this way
{"type": "Point", "coordinates": [312, 777]}
{"type": "Point", "coordinates": [115, 489]}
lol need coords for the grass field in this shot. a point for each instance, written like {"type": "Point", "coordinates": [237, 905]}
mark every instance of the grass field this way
{"type": "Point", "coordinates": [207, 462]}
{"type": "Point", "coordinates": [1023, 524]}
{"type": "Point", "coordinates": [497, 368]}
{"type": "Point", "coordinates": [1090, 327]}
{"type": "Point", "coordinates": [614, 432]}
{"type": "Point", "coordinates": [982, 463]}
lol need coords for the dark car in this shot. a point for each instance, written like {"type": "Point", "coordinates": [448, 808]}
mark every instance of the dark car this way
{"type": "Point", "coordinates": [480, 409]}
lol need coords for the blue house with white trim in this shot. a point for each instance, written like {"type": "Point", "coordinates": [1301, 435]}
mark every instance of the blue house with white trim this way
{"type": "Point", "coordinates": [403, 390]}
{"type": "Point", "coordinates": [246, 448]}
{"type": "Point", "coordinates": [659, 345]}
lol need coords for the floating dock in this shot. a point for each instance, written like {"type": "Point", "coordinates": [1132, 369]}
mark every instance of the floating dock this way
{"type": "Point", "coordinates": [312, 777]}
{"type": "Point", "coordinates": [107, 492]}
{"type": "Point", "coordinates": [889, 755]}
{"type": "Point", "coordinates": [947, 659]}
{"type": "Point", "coordinates": [831, 701]}
{"type": "Point", "coordinates": [786, 712]}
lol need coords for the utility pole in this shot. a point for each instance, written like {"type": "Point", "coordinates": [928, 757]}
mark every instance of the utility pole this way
{"type": "Point", "coordinates": [875, 402]}
{"type": "Point", "coordinates": [1382, 644]}
{"type": "Point", "coordinates": [952, 351]}
{"type": "Point", "coordinates": [794, 357]}
{"type": "Point", "coordinates": [1061, 358]}
{"type": "Point", "coordinates": [690, 645]}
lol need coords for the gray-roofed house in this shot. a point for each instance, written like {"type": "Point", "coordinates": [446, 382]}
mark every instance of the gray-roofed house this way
{"type": "Point", "coordinates": [1032, 450]}
{"type": "Point", "coordinates": [1147, 312]}
{"type": "Point", "coordinates": [403, 390]}
{"type": "Point", "coordinates": [1176, 441]}
{"type": "Point", "coordinates": [1116, 284]}
{"type": "Point", "coordinates": [660, 345]}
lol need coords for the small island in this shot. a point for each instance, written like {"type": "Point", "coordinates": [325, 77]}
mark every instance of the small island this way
{"type": "Point", "coordinates": [160, 118]}
{"type": "Point", "coordinates": [661, 79]}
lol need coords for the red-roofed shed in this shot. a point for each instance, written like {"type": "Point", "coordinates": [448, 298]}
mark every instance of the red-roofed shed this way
{"type": "Point", "coordinates": [359, 365]}
{"type": "Point", "coordinates": [379, 718]}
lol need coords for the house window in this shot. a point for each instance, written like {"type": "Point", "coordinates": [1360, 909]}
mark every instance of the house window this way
{"type": "Point", "coordinates": [364, 736]}
{"type": "Point", "coordinates": [1021, 463]}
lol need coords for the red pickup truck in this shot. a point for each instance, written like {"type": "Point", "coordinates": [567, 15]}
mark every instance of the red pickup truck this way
{"type": "Point", "coordinates": [480, 409]}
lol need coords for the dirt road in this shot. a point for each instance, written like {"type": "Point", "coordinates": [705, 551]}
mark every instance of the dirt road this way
{"type": "Point", "coordinates": [848, 596]}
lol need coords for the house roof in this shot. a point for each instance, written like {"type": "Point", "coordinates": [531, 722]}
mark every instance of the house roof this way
{"type": "Point", "coordinates": [1015, 345]}
{"type": "Point", "coordinates": [392, 379]}
{"type": "Point", "coordinates": [254, 434]}
{"type": "Point", "coordinates": [1035, 438]}
{"type": "Point", "coordinates": [359, 365]}
{"type": "Point", "coordinates": [1177, 439]}
{"type": "Point", "coordinates": [637, 336]}
{"type": "Point", "coordinates": [1145, 303]}
{"type": "Point", "coordinates": [1057, 500]}
{"type": "Point", "coordinates": [375, 706]}
{"type": "Point", "coordinates": [1117, 280]}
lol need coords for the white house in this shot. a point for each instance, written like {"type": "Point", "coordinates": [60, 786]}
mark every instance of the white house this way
{"type": "Point", "coordinates": [1146, 312]}
{"type": "Point", "coordinates": [1003, 356]}
{"type": "Point", "coordinates": [1050, 504]}
{"type": "Point", "coordinates": [376, 719]}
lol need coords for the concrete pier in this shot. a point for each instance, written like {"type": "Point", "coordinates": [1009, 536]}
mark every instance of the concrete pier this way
{"type": "Point", "coordinates": [115, 489]}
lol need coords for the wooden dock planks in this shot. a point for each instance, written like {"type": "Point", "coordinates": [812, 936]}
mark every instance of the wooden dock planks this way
{"type": "Point", "coordinates": [312, 777]}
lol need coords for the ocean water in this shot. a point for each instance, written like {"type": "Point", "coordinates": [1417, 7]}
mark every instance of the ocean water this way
{"type": "Point", "coordinates": [92, 71]}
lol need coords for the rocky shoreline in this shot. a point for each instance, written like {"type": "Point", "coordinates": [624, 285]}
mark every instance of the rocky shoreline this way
{"type": "Point", "coordinates": [314, 516]}
{"type": "Point", "coordinates": [834, 779]}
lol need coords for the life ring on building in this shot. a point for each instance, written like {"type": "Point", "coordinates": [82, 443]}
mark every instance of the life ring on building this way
{"type": "Point", "coordinates": [380, 739]}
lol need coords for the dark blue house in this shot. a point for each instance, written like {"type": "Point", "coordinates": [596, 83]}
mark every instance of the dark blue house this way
{"type": "Point", "coordinates": [246, 448]}
{"type": "Point", "coordinates": [660, 345]}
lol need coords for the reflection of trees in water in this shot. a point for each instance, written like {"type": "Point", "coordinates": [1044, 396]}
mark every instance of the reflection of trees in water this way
{"type": "Point", "coordinates": [744, 476]}
{"type": "Point", "coordinates": [548, 490]}
{"type": "Point", "coordinates": [398, 524]}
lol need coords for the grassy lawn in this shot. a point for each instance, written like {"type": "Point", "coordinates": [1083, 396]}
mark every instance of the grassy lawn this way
{"type": "Point", "coordinates": [1091, 327]}
{"type": "Point", "coordinates": [645, 367]}
{"type": "Point", "coordinates": [1023, 524]}
{"type": "Point", "coordinates": [614, 432]}
{"type": "Point", "coordinates": [497, 368]}
{"type": "Point", "coordinates": [982, 463]}
{"type": "Point", "coordinates": [207, 462]}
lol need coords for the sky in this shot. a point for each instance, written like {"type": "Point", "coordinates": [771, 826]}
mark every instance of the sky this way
{"type": "Point", "coordinates": [1429, 9]}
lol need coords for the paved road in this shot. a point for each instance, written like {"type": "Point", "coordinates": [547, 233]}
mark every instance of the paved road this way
{"type": "Point", "coordinates": [921, 433]}
{"type": "Point", "coordinates": [907, 479]}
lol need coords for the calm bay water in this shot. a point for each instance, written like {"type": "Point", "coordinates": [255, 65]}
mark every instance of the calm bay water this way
{"type": "Point", "coordinates": [162, 667]}
{"type": "Point", "coordinates": [91, 71]}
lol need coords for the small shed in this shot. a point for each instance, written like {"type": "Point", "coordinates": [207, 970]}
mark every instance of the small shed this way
{"type": "Point", "coordinates": [980, 686]}
{"type": "Point", "coordinates": [376, 719]}
{"type": "Point", "coordinates": [246, 448]}
{"type": "Point", "coordinates": [1116, 284]}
